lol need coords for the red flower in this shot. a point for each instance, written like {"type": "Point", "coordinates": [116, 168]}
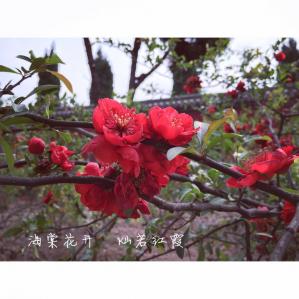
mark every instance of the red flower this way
{"type": "Point", "coordinates": [262, 129]}
{"type": "Point", "coordinates": [233, 93]}
{"type": "Point", "coordinates": [212, 109]}
{"type": "Point", "coordinates": [280, 56]}
{"type": "Point", "coordinates": [263, 167]}
{"type": "Point", "coordinates": [93, 196]}
{"type": "Point", "coordinates": [176, 128]}
{"type": "Point", "coordinates": [119, 124]}
{"type": "Point", "coordinates": [155, 162]}
{"type": "Point", "coordinates": [107, 153]}
{"type": "Point", "coordinates": [179, 165]}
{"type": "Point", "coordinates": [148, 184]}
{"type": "Point", "coordinates": [60, 155]}
{"type": "Point", "coordinates": [269, 163]}
{"type": "Point", "coordinates": [127, 198]}
{"type": "Point", "coordinates": [241, 86]}
{"type": "Point", "coordinates": [249, 179]}
{"type": "Point", "coordinates": [288, 212]}
{"type": "Point", "coordinates": [192, 84]}
{"type": "Point", "coordinates": [36, 146]}
{"type": "Point", "coordinates": [48, 197]}
{"type": "Point", "coordinates": [125, 193]}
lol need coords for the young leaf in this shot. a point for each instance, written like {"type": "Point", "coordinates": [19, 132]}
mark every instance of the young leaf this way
{"type": "Point", "coordinates": [37, 63]}
{"type": "Point", "coordinates": [36, 90]}
{"type": "Point", "coordinates": [8, 154]}
{"type": "Point", "coordinates": [7, 69]}
{"type": "Point", "coordinates": [24, 58]}
{"type": "Point", "coordinates": [15, 120]}
{"type": "Point", "coordinates": [62, 78]}
{"type": "Point", "coordinates": [53, 59]}
{"type": "Point", "coordinates": [229, 115]}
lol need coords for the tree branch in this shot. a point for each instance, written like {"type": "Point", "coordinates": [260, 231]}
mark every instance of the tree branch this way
{"type": "Point", "coordinates": [142, 77]}
{"type": "Point", "coordinates": [134, 54]}
{"type": "Point", "coordinates": [50, 122]}
{"type": "Point", "coordinates": [205, 206]}
{"type": "Point", "coordinates": [95, 80]}
{"type": "Point", "coordinates": [52, 180]}
{"type": "Point", "coordinates": [268, 188]}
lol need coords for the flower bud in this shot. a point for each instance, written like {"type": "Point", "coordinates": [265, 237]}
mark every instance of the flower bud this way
{"type": "Point", "coordinates": [36, 146]}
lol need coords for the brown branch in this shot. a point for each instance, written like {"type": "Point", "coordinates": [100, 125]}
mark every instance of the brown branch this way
{"type": "Point", "coordinates": [23, 162]}
{"type": "Point", "coordinates": [286, 238]}
{"type": "Point", "coordinates": [219, 193]}
{"type": "Point", "coordinates": [8, 89]}
{"type": "Point", "coordinates": [50, 122]}
{"type": "Point", "coordinates": [95, 80]}
{"type": "Point", "coordinates": [268, 188]}
{"type": "Point", "coordinates": [134, 55]}
{"type": "Point", "coordinates": [52, 180]}
{"type": "Point", "coordinates": [205, 206]}
{"type": "Point", "coordinates": [142, 77]}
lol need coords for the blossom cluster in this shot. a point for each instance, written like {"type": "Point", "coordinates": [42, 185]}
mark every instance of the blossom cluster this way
{"type": "Point", "coordinates": [131, 148]}
{"type": "Point", "coordinates": [59, 154]}
{"type": "Point", "coordinates": [192, 84]}
{"type": "Point", "coordinates": [263, 167]}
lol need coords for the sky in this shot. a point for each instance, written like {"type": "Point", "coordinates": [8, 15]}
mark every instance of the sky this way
{"type": "Point", "coordinates": [72, 52]}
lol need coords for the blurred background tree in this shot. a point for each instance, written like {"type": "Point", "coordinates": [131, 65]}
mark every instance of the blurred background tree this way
{"type": "Point", "coordinates": [103, 71]}
{"type": "Point", "coordinates": [184, 61]}
{"type": "Point", "coordinates": [46, 78]}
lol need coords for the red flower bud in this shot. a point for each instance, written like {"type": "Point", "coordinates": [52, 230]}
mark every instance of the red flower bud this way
{"type": "Point", "coordinates": [280, 56]}
{"type": "Point", "coordinates": [233, 93]}
{"type": "Point", "coordinates": [241, 86]}
{"type": "Point", "coordinates": [36, 146]}
{"type": "Point", "coordinates": [48, 197]}
{"type": "Point", "coordinates": [212, 109]}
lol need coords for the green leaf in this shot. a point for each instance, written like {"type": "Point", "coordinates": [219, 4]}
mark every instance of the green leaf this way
{"type": "Point", "coordinates": [24, 58]}
{"type": "Point", "coordinates": [15, 120]}
{"type": "Point", "coordinates": [19, 100]}
{"type": "Point", "coordinates": [175, 151]}
{"type": "Point", "coordinates": [292, 191]}
{"type": "Point", "coordinates": [62, 78]}
{"type": "Point", "coordinates": [37, 63]}
{"type": "Point", "coordinates": [6, 69]}
{"type": "Point", "coordinates": [67, 137]}
{"type": "Point", "coordinates": [54, 59]}
{"type": "Point", "coordinates": [229, 115]}
{"type": "Point", "coordinates": [36, 90]}
{"type": "Point", "coordinates": [8, 153]}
